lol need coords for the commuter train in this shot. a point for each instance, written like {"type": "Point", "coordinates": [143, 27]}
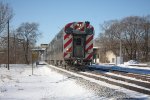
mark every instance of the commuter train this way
{"type": "Point", "coordinates": [72, 45]}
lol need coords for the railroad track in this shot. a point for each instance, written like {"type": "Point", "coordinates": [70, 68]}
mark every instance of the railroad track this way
{"type": "Point", "coordinates": [142, 87]}
{"type": "Point", "coordinates": [125, 79]}
{"type": "Point", "coordinates": [121, 79]}
{"type": "Point", "coordinates": [143, 77]}
{"type": "Point", "coordinates": [136, 76]}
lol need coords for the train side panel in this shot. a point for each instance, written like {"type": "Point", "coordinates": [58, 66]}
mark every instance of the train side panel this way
{"type": "Point", "coordinates": [55, 50]}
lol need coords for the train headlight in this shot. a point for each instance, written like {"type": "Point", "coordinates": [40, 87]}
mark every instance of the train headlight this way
{"type": "Point", "coordinates": [67, 49]}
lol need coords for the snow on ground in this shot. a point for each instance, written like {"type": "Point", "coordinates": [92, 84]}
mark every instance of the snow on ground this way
{"type": "Point", "coordinates": [18, 83]}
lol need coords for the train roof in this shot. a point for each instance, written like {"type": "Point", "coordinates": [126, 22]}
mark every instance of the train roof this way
{"type": "Point", "coordinates": [86, 22]}
{"type": "Point", "coordinates": [79, 28]}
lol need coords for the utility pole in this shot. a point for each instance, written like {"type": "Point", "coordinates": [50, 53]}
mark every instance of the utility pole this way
{"type": "Point", "coordinates": [146, 40]}
{"type": "Point", "coordinates": [120, 59]}
{"type": "Point", "coordinates": [15, 48]}
{"type": "Point", "coordinates": [8, 44]}
{"type": "Point", "coordinates": [120, 51]}
{"type": "Point", "coordinates": [32, 62]}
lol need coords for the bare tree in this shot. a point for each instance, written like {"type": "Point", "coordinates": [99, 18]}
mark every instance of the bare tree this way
{"type": "Point", "coordinates": [15, 47]}
{"type": "Point", "coordinates": [146, 47]}
{"type": "Point", "coordinates": [28, 32]}
{"type": "Point", "coordinates": [6, 13]}
{"type": "Point", "coordinates": [133, 33]}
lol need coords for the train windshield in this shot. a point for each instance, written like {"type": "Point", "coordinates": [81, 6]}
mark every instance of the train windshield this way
{"type": "Point", "coordinates": [78, 41]}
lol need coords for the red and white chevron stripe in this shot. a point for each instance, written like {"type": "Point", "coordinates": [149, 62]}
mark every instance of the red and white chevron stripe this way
{"type": "Point", "coordinates": [69, 25]}
{"type": "Point", "coordinates": [89, 47]}
{"type": "Point", "coordinates": [67, 45]}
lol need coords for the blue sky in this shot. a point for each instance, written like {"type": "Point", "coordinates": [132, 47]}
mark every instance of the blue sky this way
{"type": "Point", "coordinates": [52, 15]}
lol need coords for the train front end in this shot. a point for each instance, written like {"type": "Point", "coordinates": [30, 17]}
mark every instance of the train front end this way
{"type": "Point", "coordinates": [78, 43]}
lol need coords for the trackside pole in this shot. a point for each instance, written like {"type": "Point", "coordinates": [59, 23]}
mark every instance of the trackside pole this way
{"type": "Point", "coordinates": [32, 63]}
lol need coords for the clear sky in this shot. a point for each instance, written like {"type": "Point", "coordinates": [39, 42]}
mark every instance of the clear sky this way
{"type": "Point", "coordinates": [52, 15]}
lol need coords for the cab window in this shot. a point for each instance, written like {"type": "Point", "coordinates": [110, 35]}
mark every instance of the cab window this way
{"type": "Point", "coordinates": [78, 41]}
